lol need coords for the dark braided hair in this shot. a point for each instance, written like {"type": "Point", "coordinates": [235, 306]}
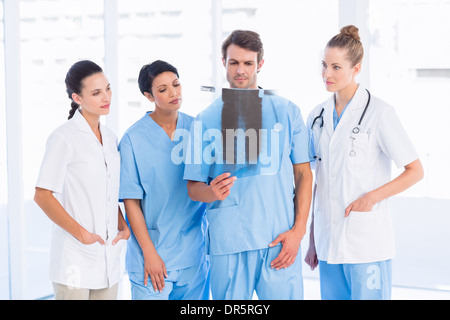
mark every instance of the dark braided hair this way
{"type": "Point", "coordinates": [75, 77]}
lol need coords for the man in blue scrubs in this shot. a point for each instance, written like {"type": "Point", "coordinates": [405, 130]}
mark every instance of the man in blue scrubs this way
{"type": "Point", "coordinates": [256, 221]}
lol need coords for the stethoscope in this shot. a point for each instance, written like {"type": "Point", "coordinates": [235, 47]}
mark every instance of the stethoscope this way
{"type": "Point", "coordinates": [356, 130]}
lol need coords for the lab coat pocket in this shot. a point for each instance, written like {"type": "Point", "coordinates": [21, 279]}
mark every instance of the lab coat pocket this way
{"type": "Point", "coordinates": [118, 247]}
{"type": "Point", "coordinates": [360, 145]}
{"type": "Point", "coordinates": [369, 235]}
{"type": "Point", "coordinates": [225, 230]}
{"type": "Point", "coordinates": [116, 251]}
{"type": "Point", "coordinates": [90, 253]}
{"type": "Point", "coordinates": [360, 153]}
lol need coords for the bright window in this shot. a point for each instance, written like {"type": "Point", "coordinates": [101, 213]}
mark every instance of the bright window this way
{"type": "Point", "coordinates": [407, 59]}
{"type": "Point", "coordinates": [54, 35]}
{"type": "Point", "coordinates": [410, 69]}
{"type": "Point", "coordinates": [178, 32]}
{"type": "Point", "coordinates": [4, 268]}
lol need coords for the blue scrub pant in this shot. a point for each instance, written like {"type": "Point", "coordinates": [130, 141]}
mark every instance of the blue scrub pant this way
{"type": "Point", "coordinates": [364, 281]}
{"type": "Point", "coordinates": [186, 284]}
{"type": "Point", "coordinates": [237, 276]}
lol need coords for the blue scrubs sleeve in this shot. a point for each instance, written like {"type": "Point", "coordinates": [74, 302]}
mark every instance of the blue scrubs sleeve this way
{"type": "Point", "coordinates": [130, 184]}
{"type": "Point", "coordinates": [195, 167]}
{"type": "Point", "coordinates": [300, 137]}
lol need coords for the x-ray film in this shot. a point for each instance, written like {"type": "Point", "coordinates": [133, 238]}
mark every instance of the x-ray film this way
{"type": "Point", "coordinates": [252, 136]}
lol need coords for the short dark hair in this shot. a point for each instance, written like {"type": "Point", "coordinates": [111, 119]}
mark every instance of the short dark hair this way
{"type": "Point", "coordinates": [150, 71]}
{"type": "Point", "coordinates": [246, 39]}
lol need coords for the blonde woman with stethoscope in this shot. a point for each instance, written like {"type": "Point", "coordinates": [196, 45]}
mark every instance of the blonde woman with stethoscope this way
{"type": "Point", "coordinates": [354, 138]}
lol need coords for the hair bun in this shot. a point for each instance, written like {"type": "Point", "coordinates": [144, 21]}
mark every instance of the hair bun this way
{"type": "Point", "coordinates": [351, 31]}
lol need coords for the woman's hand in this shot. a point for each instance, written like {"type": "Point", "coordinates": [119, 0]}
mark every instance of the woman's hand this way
{"type": "Point", "coordinates": [363, 204]}
{"type": "Point", "coordinates": [122, 235]}
{"type": "Point", "coordinates": [88, 238]}
{"type": "Point", "coordinates": [412, 174]}
{"type": "Point", "coordinates": [311, 257]}
{"type": "Point", "coordinates": [122, 226]}
{"type": "Point", "coordinates": [156, 269]}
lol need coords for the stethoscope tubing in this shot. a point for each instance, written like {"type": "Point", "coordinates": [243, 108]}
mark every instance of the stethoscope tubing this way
{"type": "Point", "coordinates": [356, 130]}
{"type": "Point", "coordinates": [365, 109]}
{"type": "Point", "coordinates": [360, 120]}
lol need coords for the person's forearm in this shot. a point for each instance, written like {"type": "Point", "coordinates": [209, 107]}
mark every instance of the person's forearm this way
{"type": "Point", "coordinates": [413, 173]}
{"type": "Point", "coordinates": [121, 223]}
{"type": "Point", "coordinates": [303, 193]}
{"type": "Point", "coordinates": [56, 213]}
{"type": "Point", "coordinates": [218, 189]}
{"type": "Point", "coordinates": [311, 227]}
{"type": "Point", "coordinates": [138, 225]}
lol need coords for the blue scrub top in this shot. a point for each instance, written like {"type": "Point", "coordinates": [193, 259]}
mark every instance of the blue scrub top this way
{"type": "Point", "coordinates": [260, 206]}
{"type": "Point", "coordinates": [312, 143]}
{"type": "Point", "coordinates": [176, 224]}
{"type": "Point", "coordinates": [336, 119]}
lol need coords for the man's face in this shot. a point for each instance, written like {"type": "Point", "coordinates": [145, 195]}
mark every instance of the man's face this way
{"type": "Point", "coordinates": [242, 67]}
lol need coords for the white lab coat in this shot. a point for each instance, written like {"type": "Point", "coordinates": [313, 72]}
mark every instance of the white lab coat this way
{"type": "Point", "coordinates": [84, 176]}
{"type": "Point", "coordinates": [341, 179]}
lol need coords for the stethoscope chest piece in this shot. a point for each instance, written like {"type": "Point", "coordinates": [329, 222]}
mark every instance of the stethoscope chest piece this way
{"type": "Point", "coordinates": [356, 130]}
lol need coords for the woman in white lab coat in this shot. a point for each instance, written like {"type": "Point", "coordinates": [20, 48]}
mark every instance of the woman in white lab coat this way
{"type": "Point", "coordinates": [354, 137]}
{"type": "Point", "coordinates": [78, 187]}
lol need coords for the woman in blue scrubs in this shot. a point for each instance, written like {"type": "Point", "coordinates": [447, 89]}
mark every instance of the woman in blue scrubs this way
{"type": "Point", "coordinates": [166, 256]}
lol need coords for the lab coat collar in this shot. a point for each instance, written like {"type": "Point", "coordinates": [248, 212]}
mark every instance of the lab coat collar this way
{"type": "Point", "coordinates": [359, 99]}
{"type": "Point", "coordinates": [357, 104]}
{"type": "Point", "coordinates": [80, 122]}
{"type": "Point", "coordinates": [328, 116]}
{"type": "Point", "coordinates": [83, 126]}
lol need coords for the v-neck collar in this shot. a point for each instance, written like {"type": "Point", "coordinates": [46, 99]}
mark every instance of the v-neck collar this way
{"type": "Point", "coordinates": [157, 127]}
{"type": "Point", "coordinates": [83, 126]}
{"type": "Point", "coordinates": [336, 118]}
{"type": "Point", "coordinates": [356, 104]}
